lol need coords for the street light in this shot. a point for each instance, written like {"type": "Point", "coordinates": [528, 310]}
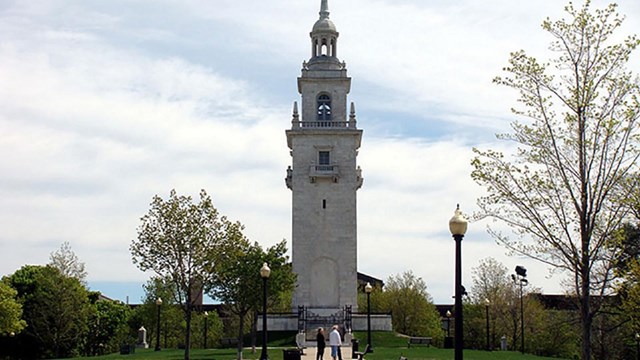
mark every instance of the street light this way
{"type": "Point", "coordinates": [368, 288]}
{"type": "Point", "coordinates": [458, 227]}
{"type": "Point", "coordinates": [206, 317]}
{"type": "Point", "coordinates": [638, 346]}
{"type": "Point", "coordinates": [264, 273]}
{"type": "Point", "coordinates": [486, 306]}
{"type": "Point", "coordinates": [520, 278]}
{"type": "Point", "coordinates": [158, 305]}
{"type": "Point", "coordinates": [448, 340]}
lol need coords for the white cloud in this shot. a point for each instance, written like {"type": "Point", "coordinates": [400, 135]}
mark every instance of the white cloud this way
{"type": "Point", "coordinates": [104, 105]}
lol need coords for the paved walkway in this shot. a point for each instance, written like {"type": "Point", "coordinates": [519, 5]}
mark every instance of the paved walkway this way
{"type": "Point", "coordinates": [310, 353]}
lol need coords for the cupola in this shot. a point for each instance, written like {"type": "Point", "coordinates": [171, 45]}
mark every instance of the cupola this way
{"type": "Point", "coordinates": [324, 36]}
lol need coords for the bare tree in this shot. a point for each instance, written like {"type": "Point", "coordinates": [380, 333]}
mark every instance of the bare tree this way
{"type": "Point", "coordinates": [561, 192]}
{"type": "Point", "coordinates": [65, 260]}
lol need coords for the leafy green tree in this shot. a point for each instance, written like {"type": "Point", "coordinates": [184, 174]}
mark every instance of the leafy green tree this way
{"type": "Point", "coordinates": [630, 294]}
{"type": "Point", "coordinates": [10, 311]}
{"type": "Point", "coordinates": [628, 269]}
{"type": "Point", "coordinates": [55, 308]}
{"type": "Point", "coordinates": [183, 241]}
{"type": "Point", "coordinates": [237, 283]}
{"type": "Point", "coordinates": [492, 281]}
{"type": "Point", "coordinates": [376, 299]}
{"type": "Point", "coordinates": [556, 334]}
{"type": "Point", "coordinates": [577, 148]}
{"type": "Point", "coordinates": [627, 244]}
{"type": "Point", "coordinates": [65, 260]}
{"type": "Point", "coordinates": [611, 333]}
{"type": "Point", "coordinates": [406, 297]}
{"type": "Point", "coordinates": [107, 326]}
{"type": "Point", "coordinates": [214, 329]}
{"type": "Point", "coordinates": [172, 324]}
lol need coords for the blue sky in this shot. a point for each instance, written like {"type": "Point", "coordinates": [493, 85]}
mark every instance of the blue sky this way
{"type": "Point", "coordinates": [104, 104]}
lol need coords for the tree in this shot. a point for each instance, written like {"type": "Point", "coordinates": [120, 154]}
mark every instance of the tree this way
{"type": "Point", "coordinates": [237, 283]}
{"type": "Point", "coordinates": [414, 314]}
{"type": "Point", "coordinates": [172, 324]}
{"type": "Point", "coordinates": [10, 311]}
{"type": "Point", "coordinates": [107, 326]}
{"type": "Point", "coordinates": [65, 260]}
{"type": "Point", "coordinates": [171, 313]}
{"type": "Point", "coordinates": [376, 299]}
{"type": "Point", "coordinates": [183, 241]}
{"type": "Point", "coordinates": [55, 308]}
{"type": "Point", "coordinates": [628, 269]}
{"type": "Point", "coordinates": [562, 193]}
{"type": "Point", "coordinates": [492, 281]}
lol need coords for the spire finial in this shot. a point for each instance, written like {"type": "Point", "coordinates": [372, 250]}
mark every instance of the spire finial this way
{"type": "Point", "coordinates": [324, 9]}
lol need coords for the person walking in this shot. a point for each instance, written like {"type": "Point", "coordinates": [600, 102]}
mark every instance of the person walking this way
{"type": "Point", "coordinates": [335, 341]}
{"type": "Point", "coordinates": [321, 344]}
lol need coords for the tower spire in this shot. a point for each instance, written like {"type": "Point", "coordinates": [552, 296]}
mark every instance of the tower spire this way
{"type": "Point", "coordinates": [324, 37]}
{"type": "Point", "coordinates": [324, 9]}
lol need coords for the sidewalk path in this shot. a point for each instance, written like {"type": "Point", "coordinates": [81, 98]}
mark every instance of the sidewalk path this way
{"type": "Point", "coordinates": [310, 353]}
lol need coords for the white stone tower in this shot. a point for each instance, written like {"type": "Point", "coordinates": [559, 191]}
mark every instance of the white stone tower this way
{"type": "Point", "coordinates": [324, 178]}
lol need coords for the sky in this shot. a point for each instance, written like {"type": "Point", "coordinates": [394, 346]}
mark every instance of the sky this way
{"type": "Point", "coordinates": [104, 104]}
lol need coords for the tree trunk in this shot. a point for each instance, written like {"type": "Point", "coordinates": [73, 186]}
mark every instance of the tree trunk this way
{"type": "Point", "coordinates": [585, 314]}
{"type": "Point", "coordinates": [241, 335]}
{"type": "Point", "coordinates": [584, 266]}
{"type": "Point", "coordinates": [514, 343]}
{"type": "Point", "coordinates": [187, 337]}
{"type": "Point", "coordinates": [254, 331]}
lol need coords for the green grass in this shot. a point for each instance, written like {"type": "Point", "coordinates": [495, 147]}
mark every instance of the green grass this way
{"type": "Point", "coordinates": [387, 346]}
{"type": "Point", "coordinates": [196, 354]}
{"type": "Point", "coordinates": [380, 353]}
{"type": "Point", "coordinates": [392, 346]}
{"type": "Point", "coordinates": [430, 353]}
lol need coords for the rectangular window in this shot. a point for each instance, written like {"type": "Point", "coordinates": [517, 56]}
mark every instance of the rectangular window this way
{"type": "Point", "coordinates": [324, 158]}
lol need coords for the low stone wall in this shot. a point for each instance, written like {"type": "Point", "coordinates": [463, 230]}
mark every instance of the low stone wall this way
{"type": "Point", "coordinates": [289, 322]}
{"type": "Point", "coordinates": [379, 322]}
{"type": "Point", "coordinates": [280, 322]}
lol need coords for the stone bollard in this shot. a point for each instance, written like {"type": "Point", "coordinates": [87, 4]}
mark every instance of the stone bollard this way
{"type": "Point", "coordinates": [301, 340]}
{"type": "Point", "coordinates": [142, 338]}
{"type": "Point", "coordinates": [348, 337]}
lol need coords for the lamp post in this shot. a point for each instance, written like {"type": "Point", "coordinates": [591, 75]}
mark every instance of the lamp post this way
{"type": "Point", "coordinates": [637, 346]}
{"type": "Point", "coordinates": [264, 273]}
{"type": "Point", "coordinates": [486, 307]}
{"type": "Point", "coordinates": [206, 317]}
{"type": "Point", "coordinates": [448, 323]}
{"type": "Point", "coordinates": [367, 289]}
{"type": "Point", "coordinates": [458, 227]}
{"type": "Point", "coordinates": [520, 278]}
{"type": "Point", "coordinates": [158, 305]}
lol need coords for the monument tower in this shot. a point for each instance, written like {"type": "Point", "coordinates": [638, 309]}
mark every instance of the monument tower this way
{"type": "Point", "coordinates": [324, 178]}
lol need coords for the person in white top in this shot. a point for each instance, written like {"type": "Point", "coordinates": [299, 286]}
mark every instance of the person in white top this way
{"type": "Point", "coordinates": [335, 341]}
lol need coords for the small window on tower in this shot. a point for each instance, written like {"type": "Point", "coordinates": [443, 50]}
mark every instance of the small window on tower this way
{"type": "Point", "coordinates": [324, 158]}
{"type": "Point", "coordinates": [324, 107]}
{"type": "Point", "coordinates": [324, 50]}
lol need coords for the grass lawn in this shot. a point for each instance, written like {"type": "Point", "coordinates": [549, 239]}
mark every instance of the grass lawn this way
{"type": "Point", "coordinates": [415, 353]}
{"type": "Point", "coordinates": [424, 353]}
{"type": "Point", "coordinates": [391, 347]}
